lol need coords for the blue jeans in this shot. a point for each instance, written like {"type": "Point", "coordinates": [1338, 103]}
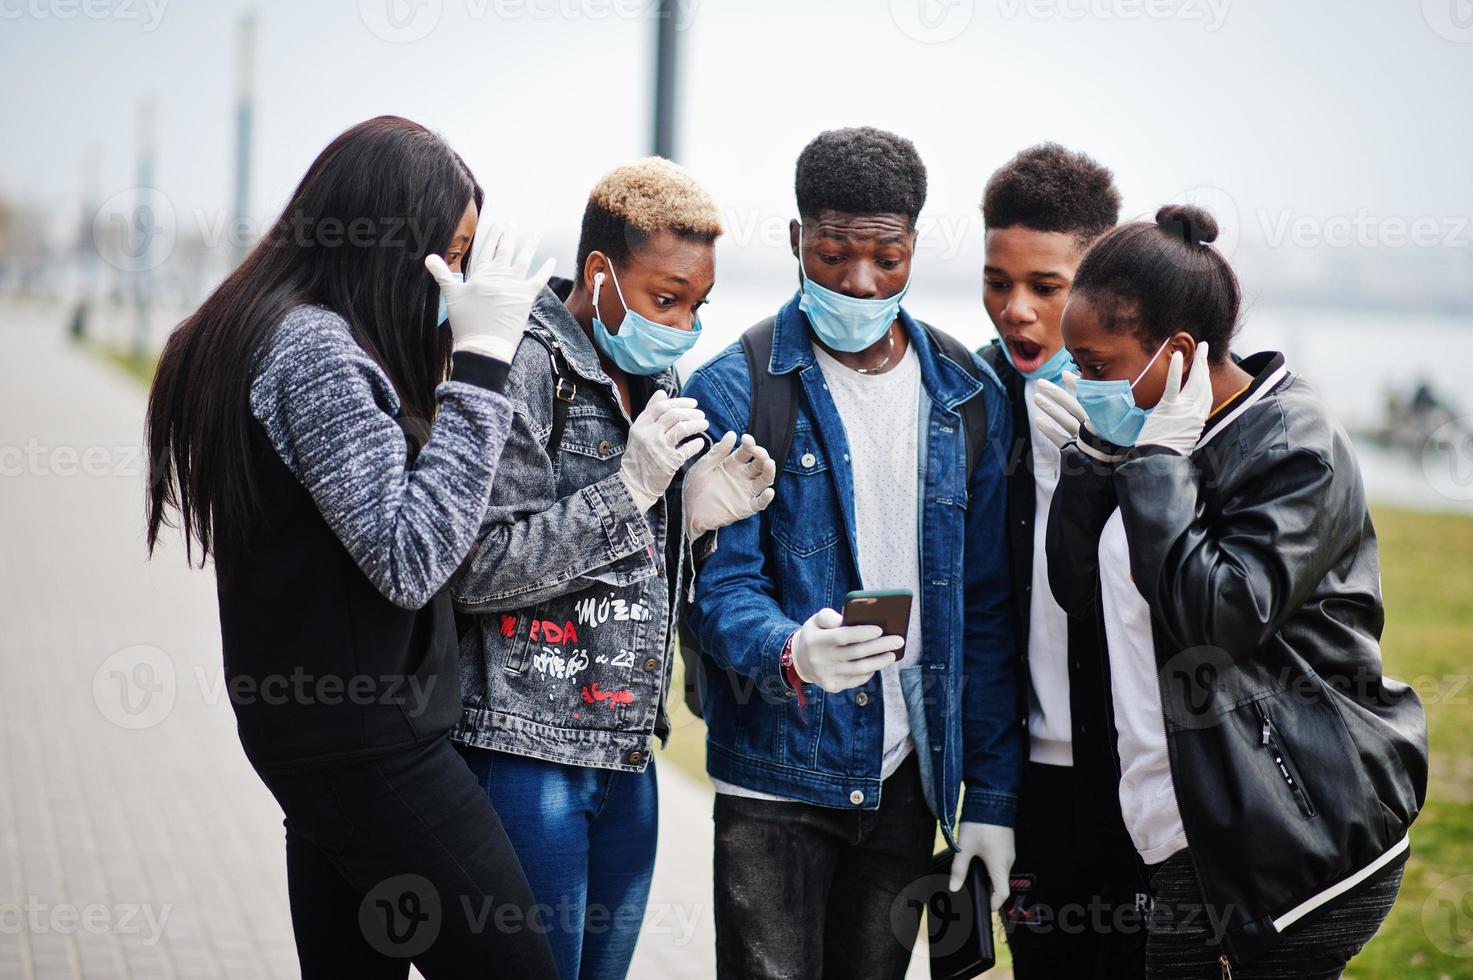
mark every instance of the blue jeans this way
{"type": "Point", "coordinates": [586, 840]}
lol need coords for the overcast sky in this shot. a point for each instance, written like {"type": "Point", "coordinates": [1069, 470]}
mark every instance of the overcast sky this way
{"type": "Point", "coordinates": [1319, 108]}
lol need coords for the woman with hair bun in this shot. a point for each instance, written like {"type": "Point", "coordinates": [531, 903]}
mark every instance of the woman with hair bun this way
{"type": "Point", "coordinates": [1210, 523]}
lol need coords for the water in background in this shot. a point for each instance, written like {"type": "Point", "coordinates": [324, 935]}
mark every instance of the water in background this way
{"type": "Point", "coordinates": [1354, 359]}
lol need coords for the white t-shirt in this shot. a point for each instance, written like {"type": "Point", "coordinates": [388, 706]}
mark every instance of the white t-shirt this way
{"type": "Point", "coordinates": [881, 416]}
{"type": "Point", "coordinates": [1049, 727]}
{"type": "Point", "coordinates": [1147, 794]}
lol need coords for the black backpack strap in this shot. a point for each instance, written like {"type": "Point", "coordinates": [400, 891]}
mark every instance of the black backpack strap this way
{"type": "Point", "coordinates": [974, 409]}
{"type": "Point", "coordinates": [773, 413]}
{"type": "Point", "coordinates": [771, 419]}
{"type": "Point", "coordinates": [564, 389]}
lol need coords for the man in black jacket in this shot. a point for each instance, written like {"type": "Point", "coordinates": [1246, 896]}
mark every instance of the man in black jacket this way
{"type": "Point", "coordinates": [1078, 899]}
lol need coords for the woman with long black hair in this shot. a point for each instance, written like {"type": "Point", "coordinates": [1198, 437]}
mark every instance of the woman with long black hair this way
{"type": "Point", "coordinates": [318, 431]}
{"type": "Point", "coordinates": [1211, 525]}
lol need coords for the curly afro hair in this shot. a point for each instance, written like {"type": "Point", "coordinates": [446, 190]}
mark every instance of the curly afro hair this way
{"type": "Point", "coordinates": [1050, 188]}
{"type": "Point", "coordinates": [860, 171]}
{"type": "Point", "coordinates": [635, 201]}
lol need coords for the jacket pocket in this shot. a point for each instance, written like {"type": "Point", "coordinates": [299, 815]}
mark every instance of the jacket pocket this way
{"type": "Point", "coordinates": [592, 432]}
{"type": "Point", "coordinates": [591, 449]}
{"type": "Point", "coordinates": [1262, 843]}
{"type": "Point", "coordinates": [516, 629]}
{"type": "Point", "coordinates": [805, 514]}
{"type": "Point", "coordinates": [1276, 749]}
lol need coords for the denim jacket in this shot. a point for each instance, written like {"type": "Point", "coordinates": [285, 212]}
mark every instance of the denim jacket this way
{"type": "Point", "coordinates": [573, 590]}
{"type": "Point", "coordinates": [773, 571]}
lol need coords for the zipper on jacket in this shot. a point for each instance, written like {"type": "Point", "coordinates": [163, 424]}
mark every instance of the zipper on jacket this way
{"type": "Point", "coordinates": [1285, 765]}
{"type": "Point", "coordinates": [1225, 966]}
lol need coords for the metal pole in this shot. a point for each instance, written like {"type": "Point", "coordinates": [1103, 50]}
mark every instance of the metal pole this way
{"type": "Point", "coordinates": [144, 222]}
{"type": "Point", "coordinates": [87, 244]}
{"type": "Point", "coordinates": [244, 117]}
{"type": "Point", "coordinates": [666, 69]}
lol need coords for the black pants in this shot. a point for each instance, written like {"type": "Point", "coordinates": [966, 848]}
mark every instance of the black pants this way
{"type": "Point", "coordinates": [1182, 944]}
{"type": "Point", "coordinates": [1078, 899]}
{"type": "Point", "coordinates": [402, 859]}
{"type": "Point", "coordinates": [807, 891]}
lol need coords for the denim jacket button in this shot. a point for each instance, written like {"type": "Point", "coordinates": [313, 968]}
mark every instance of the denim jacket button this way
{"type": "Point", "coordinates": [856, 797]}
{"type": "Point", "coordinates": [861, 699]}
{"type": "Point", "coordinates": [603, 446]}
{"type": "Point", "coordinates": [808, 460]}
{"type": "Point", "coordinates": [635, 757]}
{"type": "Point", "coordinates": [650, 665]}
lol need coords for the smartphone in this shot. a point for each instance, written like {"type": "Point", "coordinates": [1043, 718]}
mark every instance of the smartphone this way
{"type": "Point", "coordinates": [888, 609]}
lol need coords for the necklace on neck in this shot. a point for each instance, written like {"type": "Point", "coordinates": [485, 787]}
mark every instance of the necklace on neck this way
{"type": "Point", "coordinates": [889, 353]}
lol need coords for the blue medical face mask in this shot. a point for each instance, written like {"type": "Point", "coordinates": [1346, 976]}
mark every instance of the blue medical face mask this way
{"type": "Point", "coordinates": [842, 322]}
{"type": "Point", "coordinates": [641, 346]}
{"type": "Point", "coordinates": [444, 307]}
{"type": "Point", "coordinates": [1050, 370]}
{"type": "Point", "coordinates": [1111, 405]}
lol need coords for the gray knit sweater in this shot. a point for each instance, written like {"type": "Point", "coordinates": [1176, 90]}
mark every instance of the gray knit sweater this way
{"type": "Point", "coordinates": [332, 416]}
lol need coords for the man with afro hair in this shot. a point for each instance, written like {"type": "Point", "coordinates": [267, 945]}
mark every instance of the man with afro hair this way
{"type": "Point", "coordinates": [836, 749]}
{"type": "Point", "coordinates": [1042, 210]}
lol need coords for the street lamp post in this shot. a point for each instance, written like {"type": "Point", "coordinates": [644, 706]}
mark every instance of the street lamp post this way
{"type": "Point", "coordinates": [666, 71]}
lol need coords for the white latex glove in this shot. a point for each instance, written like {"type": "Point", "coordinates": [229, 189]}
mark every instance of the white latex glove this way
{"type": "Point", "coordinates": [731, 482]}
{"type": "Point", "coordinates": [1059, 413]}
{"type": "Point", "coordinates": [1176, 421]}
{"type": "Point", "coordinates": [837, 657]}
{"type": "Point", "coordinates": [994, 845]}
{"type": "Point", "coordinates": [653, 454]}
{"type": "Point", "coordinates": [1061, 418]}
{"type": "Point", "coordinates": [488, 312]}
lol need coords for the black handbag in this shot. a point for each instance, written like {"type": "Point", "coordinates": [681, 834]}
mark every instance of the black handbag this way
{"type": "Point", "coordinates": [959, 923]}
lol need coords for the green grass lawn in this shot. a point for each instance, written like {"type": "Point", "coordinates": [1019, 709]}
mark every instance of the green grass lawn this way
{"type": "Point", "coordinates": [1427, 581]}
{"type": "Point", "coordinates": [140, 367]}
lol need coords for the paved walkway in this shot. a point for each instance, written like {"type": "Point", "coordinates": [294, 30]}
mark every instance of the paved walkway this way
{"type": "Point", "coordinates": [135, 841]}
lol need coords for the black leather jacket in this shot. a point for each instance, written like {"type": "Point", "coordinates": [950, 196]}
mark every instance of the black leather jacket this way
{"type": "Point", "coordinates": [1297, 765]}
